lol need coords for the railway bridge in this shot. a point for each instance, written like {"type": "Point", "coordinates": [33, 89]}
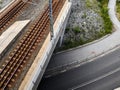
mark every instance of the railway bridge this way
{"type": "Point", "coordinates": [15, 62]}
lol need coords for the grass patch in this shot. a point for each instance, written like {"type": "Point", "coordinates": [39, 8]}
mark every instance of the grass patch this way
{"type": "Point", "coordinates": [118, 9]}
{"type": "Point", "coordinates": [76, 29]}
{"type": "Point", "coordinates": [71, 44]}
{"type": "Point", "coordinates": [88, 3]}
{"type": "Point", "coordinates": [103, 12]}
{"type": "Point", "coordinates": [103, 4]}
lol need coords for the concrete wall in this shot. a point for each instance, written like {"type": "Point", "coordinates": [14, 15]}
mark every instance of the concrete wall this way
{"type": "Point", "coordinates": [35, 73]}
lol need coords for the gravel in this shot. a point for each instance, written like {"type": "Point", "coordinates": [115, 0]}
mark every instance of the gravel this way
{"type": "Point", "coordinates": [85, 17]}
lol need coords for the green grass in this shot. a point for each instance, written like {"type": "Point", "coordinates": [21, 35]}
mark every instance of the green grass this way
{"type": "Point", "coordinates": [118, 9]}
{"type": "Point", "coordinates": [88, 3]}
{"type": "Point", "coordinates": [71, 44]}
{"type": "Point", "coordinates": [76, 29]}
{"type": "Point", "coordinates": [103, 5]}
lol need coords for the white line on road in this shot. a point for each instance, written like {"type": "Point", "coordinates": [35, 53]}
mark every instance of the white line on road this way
{"type": "Point", "coordinates": [96, 79]}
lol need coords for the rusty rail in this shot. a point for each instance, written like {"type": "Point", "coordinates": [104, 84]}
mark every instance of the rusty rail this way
{"type": "Point", "coordinates": [18, 58]}
{"type": "Point", "coordinates": [11, 13]}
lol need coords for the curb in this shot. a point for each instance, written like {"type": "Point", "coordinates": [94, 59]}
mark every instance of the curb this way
{"type": "Point", "coordinates": [75, 64]}
{"type": "Point", "coordinates": [95, 41]}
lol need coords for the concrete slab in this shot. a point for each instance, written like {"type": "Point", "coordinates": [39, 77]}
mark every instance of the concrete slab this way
{"type": "Point", "coordinates": [9, 35]}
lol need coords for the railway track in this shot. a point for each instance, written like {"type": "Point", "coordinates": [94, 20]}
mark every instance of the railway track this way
{"type": "Point", "coordinates": [12, 68]}
{"type": "Point", "coordinates": [10, 13]}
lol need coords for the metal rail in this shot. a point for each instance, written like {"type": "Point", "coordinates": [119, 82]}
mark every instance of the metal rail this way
{"type": "Point", "coordinates": [13, 66]}
{"type": "Point", "coordinates": [9, 14]}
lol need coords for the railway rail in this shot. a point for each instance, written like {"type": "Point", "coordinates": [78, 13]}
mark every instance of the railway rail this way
{"type": "Point", "coordinates": [12, 68]}
{"type": "Point", "coordinates": [10, 13]}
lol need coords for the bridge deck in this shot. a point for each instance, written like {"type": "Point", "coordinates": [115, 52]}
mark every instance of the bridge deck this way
{"type": "Point", "coordinates": [36, 68]}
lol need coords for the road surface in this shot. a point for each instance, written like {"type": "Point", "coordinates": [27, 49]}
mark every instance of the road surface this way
{"type": "Point", "coordinates": [100, 74]}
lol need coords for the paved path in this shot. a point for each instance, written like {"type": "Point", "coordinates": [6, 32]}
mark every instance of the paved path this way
{"type": "Point", "coordinates": [79, 55]}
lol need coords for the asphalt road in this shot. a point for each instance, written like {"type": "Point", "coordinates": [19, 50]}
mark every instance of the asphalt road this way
{"type": "Point", "coordinates": [100, 74]}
